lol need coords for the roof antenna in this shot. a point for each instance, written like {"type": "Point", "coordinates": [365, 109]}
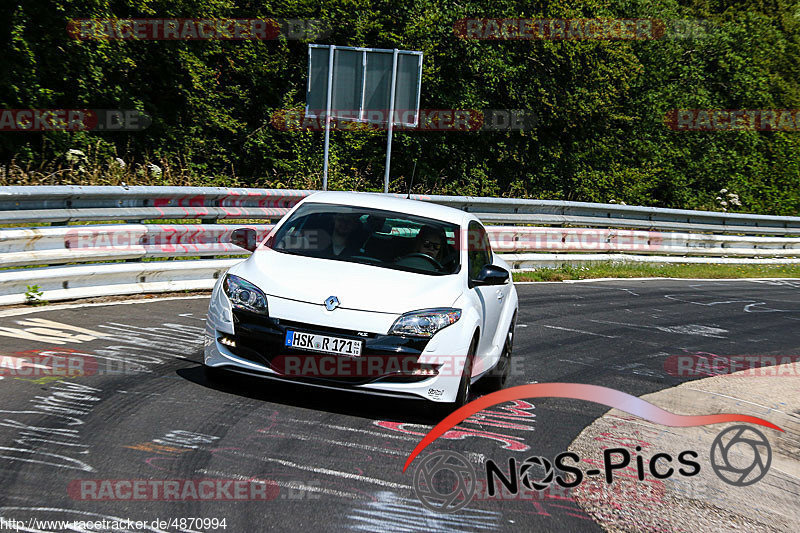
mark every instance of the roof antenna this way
{"type": "Point", "coordinates": [411, 184]}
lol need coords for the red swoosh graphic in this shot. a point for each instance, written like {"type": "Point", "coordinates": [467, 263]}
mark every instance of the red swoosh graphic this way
{"type": "Point", "coordinates": [577, 391]}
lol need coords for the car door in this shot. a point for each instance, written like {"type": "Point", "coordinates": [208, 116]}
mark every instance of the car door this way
{"type": "Point", "coordinates": [479, 254]}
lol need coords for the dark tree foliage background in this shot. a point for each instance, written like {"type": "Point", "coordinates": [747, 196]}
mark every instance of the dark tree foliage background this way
{"type": "Point", "coordinates": [600, 105]}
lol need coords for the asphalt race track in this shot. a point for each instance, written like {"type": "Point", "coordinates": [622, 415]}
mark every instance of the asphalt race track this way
{"type": "Point", "coordinates": [144, 411]}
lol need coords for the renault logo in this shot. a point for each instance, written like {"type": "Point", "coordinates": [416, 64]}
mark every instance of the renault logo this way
{"type": "Point", "coordinates": [331, 303]}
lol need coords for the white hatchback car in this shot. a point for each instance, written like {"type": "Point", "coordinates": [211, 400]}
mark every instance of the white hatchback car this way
{"type": "Point", "coordinates": [369, 293]}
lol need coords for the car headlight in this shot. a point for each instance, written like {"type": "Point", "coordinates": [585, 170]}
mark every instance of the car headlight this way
{"type": "Point", "coordinates": [424, 323]}
{"type": "Point", "coordinates": [244, 295]}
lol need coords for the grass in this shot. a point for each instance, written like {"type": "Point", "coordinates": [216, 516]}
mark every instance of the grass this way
{"type": "Point", "coordinates": [94, 166]}
{"type": "Point", "coordinates": [644, 270]}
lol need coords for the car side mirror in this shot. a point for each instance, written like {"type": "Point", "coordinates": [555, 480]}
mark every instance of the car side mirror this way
{"type": "Point", "coordinates": [245, 238]}
{"type": "Point", "coordinates": [492, 275]}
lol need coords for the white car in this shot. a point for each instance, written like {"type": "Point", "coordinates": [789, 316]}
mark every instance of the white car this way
{"type": "Point", "coordinates": [369, 293]}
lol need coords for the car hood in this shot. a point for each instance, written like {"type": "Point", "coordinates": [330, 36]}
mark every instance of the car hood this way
{"type": "Point", "coordinates": [357, 286]}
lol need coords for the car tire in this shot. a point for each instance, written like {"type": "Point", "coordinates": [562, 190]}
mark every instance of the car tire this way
{"type": "Point", "coordinates": [441, 410]}
{"type": "Point", "coordinates": [497, 377]}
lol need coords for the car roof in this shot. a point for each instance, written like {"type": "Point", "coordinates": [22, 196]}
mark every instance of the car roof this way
{"type": "Point", "coordinates": [392, 203]}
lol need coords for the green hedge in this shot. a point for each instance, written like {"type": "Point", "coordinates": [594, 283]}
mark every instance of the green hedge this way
{"type": "Point", "coordinates": [600, 134]}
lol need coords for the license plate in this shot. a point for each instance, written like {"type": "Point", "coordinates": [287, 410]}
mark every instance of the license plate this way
{"type": "Point", "coordinates": [323, 343]}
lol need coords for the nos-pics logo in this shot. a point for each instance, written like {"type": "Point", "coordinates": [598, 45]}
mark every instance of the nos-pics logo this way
{"type": "Point", "coordinates": [445, 481]}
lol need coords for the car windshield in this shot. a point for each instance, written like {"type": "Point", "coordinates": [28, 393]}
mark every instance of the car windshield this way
{"type": "Point", "coordinates": [380, 238]}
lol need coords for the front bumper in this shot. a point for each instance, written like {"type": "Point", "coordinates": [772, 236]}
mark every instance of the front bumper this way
{"type": "Point", "coordinates": [254, 344]}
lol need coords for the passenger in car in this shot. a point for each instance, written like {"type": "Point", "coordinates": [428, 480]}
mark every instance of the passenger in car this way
{"type": "Point", "coordinates": [346, 237]}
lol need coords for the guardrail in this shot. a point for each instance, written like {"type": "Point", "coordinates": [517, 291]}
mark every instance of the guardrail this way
{"type": "Point", "coordinates": [530, 233]}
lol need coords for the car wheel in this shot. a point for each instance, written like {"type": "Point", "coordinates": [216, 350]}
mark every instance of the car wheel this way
{"type": "Point", "coordinates": [441, 410]}
{"type": "Point", "coordinates": [496, 379]}
{"type": "Point", "coordinates": [466, 377]}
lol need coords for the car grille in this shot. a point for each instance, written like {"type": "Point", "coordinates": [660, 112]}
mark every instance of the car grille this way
{"type": "Point", "coordinates": [260, 339]}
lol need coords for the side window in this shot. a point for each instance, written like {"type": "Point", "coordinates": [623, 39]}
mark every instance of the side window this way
{"type": "Point", "coordinates": [478, 249]}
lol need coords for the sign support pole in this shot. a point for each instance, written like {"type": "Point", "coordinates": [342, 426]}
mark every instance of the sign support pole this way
{"type": "Point", "coordinates": [328, 117]}
{"type": "Point", "coordinates": [391, 123]}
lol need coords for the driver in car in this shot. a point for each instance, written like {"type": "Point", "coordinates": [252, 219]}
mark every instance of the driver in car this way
{"type": "Point", "coordinates": [432, 242]}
